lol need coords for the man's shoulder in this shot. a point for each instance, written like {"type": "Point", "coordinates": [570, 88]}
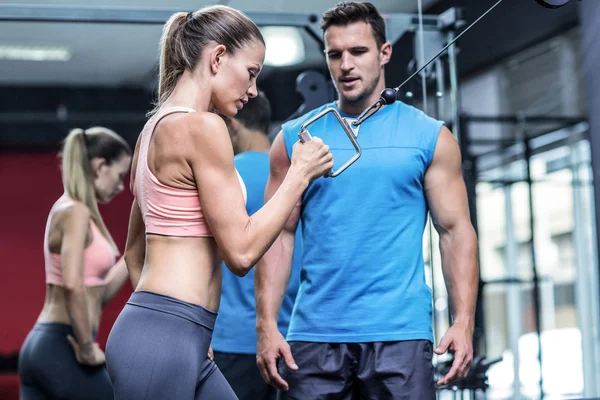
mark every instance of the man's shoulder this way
{"type": "Point", "coordinates": [414, 113]}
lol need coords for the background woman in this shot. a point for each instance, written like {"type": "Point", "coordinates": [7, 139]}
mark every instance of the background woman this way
{"type": "Point", "coordinates": [60, 357]}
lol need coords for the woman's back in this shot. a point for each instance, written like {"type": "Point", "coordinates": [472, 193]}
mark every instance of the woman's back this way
{"type": "Point", "coordinates": [171, 208]}
{"type": "Point", "coordinates": [98, 255]}
{"type": "Point", "coordinates": [182, 260]}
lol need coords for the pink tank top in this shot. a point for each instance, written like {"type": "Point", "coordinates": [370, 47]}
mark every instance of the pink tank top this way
{"type": "Point", "coordinates": [98, 258]}
{"type": "Point", "coordinates": [167, 210]}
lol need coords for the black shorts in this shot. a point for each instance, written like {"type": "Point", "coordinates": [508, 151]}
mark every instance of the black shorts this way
{"type": "Point", "coordinates": [243, 375]}
{"type": "Point", "coordinates": [352, 371]}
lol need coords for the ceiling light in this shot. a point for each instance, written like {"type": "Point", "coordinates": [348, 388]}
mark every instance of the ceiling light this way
{"type": "Point", "coordinates": [284, 46]}
{"type": "Point", "coordinates": [34, 53]}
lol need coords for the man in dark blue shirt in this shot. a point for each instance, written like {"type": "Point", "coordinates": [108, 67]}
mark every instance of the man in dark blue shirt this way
{"type": "Point", "coordinates": [234, 338]}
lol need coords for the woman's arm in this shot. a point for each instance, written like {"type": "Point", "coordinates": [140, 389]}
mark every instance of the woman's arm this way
{"type": "Point", "coordinates": [73, 244]}
{"type": "Point", "coordinates": [75, 227]}
{"type": "Point", "coordinates": [243, 239]}
{"type": "Point", "coordinates": [135, 249]}
{"type": "Point", "coordinates": [114, 281]}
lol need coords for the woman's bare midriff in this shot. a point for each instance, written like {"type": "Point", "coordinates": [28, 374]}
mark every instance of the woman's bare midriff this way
{"type": "Point", "coordinates": [186, 268]}
{"type": "Point", "coordinates": [55, 306]}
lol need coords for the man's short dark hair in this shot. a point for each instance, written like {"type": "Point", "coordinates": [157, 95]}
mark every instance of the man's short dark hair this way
{"type": "Point", "coordinates": [256, 115]}
{"type": "Point", "coordinates": [348, 12]}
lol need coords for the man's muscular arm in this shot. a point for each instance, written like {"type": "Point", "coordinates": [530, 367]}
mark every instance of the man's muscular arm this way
{"type": "Point", "coordinates": [271, 278]}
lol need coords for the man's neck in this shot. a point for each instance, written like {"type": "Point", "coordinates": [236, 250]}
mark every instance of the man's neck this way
{"type": "Point", "coordinates": [355, 108]}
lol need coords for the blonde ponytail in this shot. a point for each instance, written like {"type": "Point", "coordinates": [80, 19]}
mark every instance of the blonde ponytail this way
{"type": "Point", "coordinates": [185, 35]}
{"type": "Point", "coordinates": [77, 178]}
{"type": "Point", "coordinates": [171, 64]}
{"type": "Point", "coordinates": [172, 58]}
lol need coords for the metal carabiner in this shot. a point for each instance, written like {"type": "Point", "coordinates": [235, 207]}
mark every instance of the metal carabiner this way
{"type": "Point", "coordinates": [305, 136]}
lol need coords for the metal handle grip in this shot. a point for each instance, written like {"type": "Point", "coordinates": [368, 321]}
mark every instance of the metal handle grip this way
{"type": "Point", "coordinates": [305, 136]}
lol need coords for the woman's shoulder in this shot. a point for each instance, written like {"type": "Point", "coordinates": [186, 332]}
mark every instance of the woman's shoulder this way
{"type": "Point", "coordinates": [68, 208]}
{"type": "Point", "coordinates": [205, 131]}
{"type": "Point", "coordinates": [193, 125]}
{"type": "Point", "coordinates": [204, 122]}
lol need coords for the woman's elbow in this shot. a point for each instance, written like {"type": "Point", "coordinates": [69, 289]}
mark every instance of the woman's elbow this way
{"type": "Point", "coordinates": [128, 257]}
{"type": "Point", "coordinates": [240, 264]}
{"type": "Point", "coordinates": [132, 258]}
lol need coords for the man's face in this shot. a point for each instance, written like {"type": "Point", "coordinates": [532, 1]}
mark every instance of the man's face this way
{"type": "Point", "coordinates": [355, 61]}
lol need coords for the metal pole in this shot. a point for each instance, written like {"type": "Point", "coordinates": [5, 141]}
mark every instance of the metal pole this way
{"type": "Point", "coordinates": [583, 280]}
{"type": "Point", "coordinates": [536, 279]}
{"type": "Point", "coordinates": [454, 95]}
{"type": "Point", "coordinates": [513, 298]}
{"type": "Point", "coordinates": [441, 87]}
{"type": "Point", "coordinates": [593, 268]}
{"type": "Point", "coordinates": [422, 56]}
{"type": "Point", "coordinates": [589, 12]}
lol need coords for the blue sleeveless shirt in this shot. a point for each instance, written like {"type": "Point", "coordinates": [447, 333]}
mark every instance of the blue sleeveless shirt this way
{"type": "Point", "coordinates": [235, 327]}
{"type": "Point", "coordinates": [362, 277]}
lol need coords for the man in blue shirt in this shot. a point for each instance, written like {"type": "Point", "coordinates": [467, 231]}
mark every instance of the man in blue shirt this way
{"type": "Point", "coordinates": [234, 337]}
{"type": "Point", "coordinates": [361, 325]}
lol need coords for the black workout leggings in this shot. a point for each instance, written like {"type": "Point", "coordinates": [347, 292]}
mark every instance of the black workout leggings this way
{"type": "Point", "coordinates": [158, 349]}
{"type": "Point", "coordinates": [48, 368]}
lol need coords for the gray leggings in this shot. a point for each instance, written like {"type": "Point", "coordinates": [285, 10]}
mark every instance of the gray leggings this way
{"type": "Point", "coordinates": [157, 349]}
{"type": "Point", "coordinates": [48, 368]}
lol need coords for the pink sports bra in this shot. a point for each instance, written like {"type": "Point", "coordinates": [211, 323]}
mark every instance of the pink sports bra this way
{"type": "Point", "coordinates": [167, 210]}
{"type": "Point", "coordinates": [98, 258]}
